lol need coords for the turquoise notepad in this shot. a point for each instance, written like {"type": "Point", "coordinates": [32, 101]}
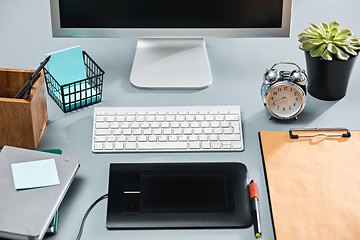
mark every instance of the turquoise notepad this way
{"type": "Point", "coordinates": [35, 174]}
{"type": "Point", "coordinates": [67, 65]}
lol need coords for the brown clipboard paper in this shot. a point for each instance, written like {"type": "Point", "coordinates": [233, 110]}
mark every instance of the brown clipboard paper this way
{"type": "Point", "coordinates": [313, 185]}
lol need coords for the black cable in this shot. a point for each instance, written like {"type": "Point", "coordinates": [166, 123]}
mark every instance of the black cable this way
{"type": "Point", "coordinates": [87, 213]}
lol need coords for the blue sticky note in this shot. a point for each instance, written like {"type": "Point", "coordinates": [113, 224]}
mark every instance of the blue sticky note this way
{"type": "Point", "coordinates": [67, 65]}
{"type": "Point", "coordinates": [35, 174]}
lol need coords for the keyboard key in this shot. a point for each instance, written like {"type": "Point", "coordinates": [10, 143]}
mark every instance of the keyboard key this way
{"type": "Point", "coordinates": [150, 118]}
{"type": "Point", "coordinates": [183, 138]}
{"type": "Point", "coordinates": [124, 125]}
{"type": "Point", "coordinates": [142, 138]}
{"type": "Point", "coordinates": [100, 118]}
{"type": "Point", "coordinates": [236, 145]}
{"type": "Point", "coordinates": [101, 125]}
{"type": "Point", "coordinates": [108, 146]}
{"type": "Point", "coordinates": [208, 130]}
{"type": "Point", "coordinates": [110, 118]}
{"type": "Point", "coordinates": [114, 125]}
{"type": "Point", "coordinates": [225, 124]}
{"type": "Point", "coordinates": [213, 138]}
{"type": "Point", "coordinates": [184, 124]}
{"type": "Point", "coordinates": [161, 145]}
{"type": "Point", "coordinates": [229, 138]}
{"type": "Point", "coordinates": [101, 132]}
{"type": "Point", "coordinates": [147, 132]}
{"type": "Point", "coordinates": [180, 118]}
{"type": "Point", "coordinates": [172, 138]}
{"type": "Point", "coordinates": [111, 139]}
{"type": "Point", "coordinates": [132, 139]}
{"type": "Point", "coordinates": [228, 131]}
{"type": "Point", "coordinates": [215, 124]}
{"type": "Point", "coordinates": [152, 138]}
{"type": "Point", "coordinates": [157, 132]}
{"type": "Point", "coordinates": [177, 131]}
{"type": "Point", "coordinates": [197, 131]}
{"type": "Point", "coordinates": [226, 145]}
{"type": "Point", "coordinates": [100, 139]}
{"type": "Point", "coordinates": [160, 118]}
{"type": "Point", "coordinates": [217, 131]}
{"type": "Point", "coordinates": [219, 117]}
{"type": "Point", "coordinates": [195, 124]}
{"type": "Point", "coordinates": [170, 118]}
{"type": "Point", "coordinates": [121, 139]}
{"type": "Point", "coordinates": [209, 117]}
{"type": "Point", "coordinates": [145, 125]}
{"type": "Point", "coordinates": [193, 138]}
{"type": "Point", "coordinates": [117, 132]}
{"type": "Point", "coordinates": [140, 118]}
{"type": "Point", "coordinates": [130, 118]}
{"type": "Point", "coordinates": [205, 124]}
{"type": "Point", "coordinates": [194, 145]}
{"type": "Point", "coordinates": [135, 126]}
{"type": "Point", "coordinates": [119, 146]}
{"type": "Point", "coordinates": [137, 132]}
{"type": "Point", "coordinates": [167, 131]}
{"type": "Point", "coordinates": [232, 117]}
{"type": "Point", "coordinates": [162, 138]}
{"type": "Point", "coordinates": [216, 145]}
{"type": "Point", "coordinates": [126, 132]}
{"type": "Point", "coordinates": [98, 146]}
{"type": "Point", "coordinates": [205, 145]}
{"type": "Point", "coordinates": [120, 118]}
{"type": "Point", "coordinates": [130, 145]}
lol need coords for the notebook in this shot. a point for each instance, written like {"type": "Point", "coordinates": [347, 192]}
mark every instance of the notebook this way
{"type": "Point", "coordinates": [313, 180]}
{"type": "Point", "coordinates": [28, 213]}
{"type": "Point", "coordinates": [67, 65]}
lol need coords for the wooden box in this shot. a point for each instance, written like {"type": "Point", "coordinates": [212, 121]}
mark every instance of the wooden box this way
{"type": "Point", "coordinates": [22, 121]}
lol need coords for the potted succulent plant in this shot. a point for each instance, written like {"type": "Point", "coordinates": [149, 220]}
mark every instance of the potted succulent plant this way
{"type": "Point", "coordinates": [330, 54]}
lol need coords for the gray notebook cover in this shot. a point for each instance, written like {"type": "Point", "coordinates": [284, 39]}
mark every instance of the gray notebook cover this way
{"type": "Point", "coordinates": [26, 214]}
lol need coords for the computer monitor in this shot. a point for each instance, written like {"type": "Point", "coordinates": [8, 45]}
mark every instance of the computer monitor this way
{"type": "Point", "coordinates": [171, 50]}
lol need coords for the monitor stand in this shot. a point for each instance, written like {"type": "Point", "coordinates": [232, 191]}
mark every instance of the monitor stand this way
{"type": "Point", "coordinates": [172, 63]}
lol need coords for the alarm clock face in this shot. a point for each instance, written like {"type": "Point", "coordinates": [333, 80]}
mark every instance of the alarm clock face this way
{"type": "Point", "coordinates": [285, 100]}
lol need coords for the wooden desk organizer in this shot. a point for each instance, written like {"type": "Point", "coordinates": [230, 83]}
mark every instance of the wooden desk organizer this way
{"type": "Point", "coordinates": [22, 121]}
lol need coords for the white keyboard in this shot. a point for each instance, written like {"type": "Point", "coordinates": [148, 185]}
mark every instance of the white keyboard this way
{"type": "Point", "coordinates": [167, 129]}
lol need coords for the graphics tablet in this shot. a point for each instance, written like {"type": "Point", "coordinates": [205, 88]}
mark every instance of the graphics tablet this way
{"type": "Point", "coordinates": [178, 195]}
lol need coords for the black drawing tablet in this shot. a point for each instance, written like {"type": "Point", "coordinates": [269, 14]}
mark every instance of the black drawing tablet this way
{"type": "Point", "coordinates": [178, 195]}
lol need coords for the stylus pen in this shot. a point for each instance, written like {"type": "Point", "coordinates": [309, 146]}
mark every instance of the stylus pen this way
{"type": "Point", "coordinates": [254, 205]}
{"type": "Point", "coordinates": [26, 89]}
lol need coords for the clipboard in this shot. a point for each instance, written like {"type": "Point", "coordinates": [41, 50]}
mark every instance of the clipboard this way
{"type": "Point", "coordinates": [313, 181]}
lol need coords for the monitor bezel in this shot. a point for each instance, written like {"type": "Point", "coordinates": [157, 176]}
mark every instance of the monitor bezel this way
{"type": "Point", "coordinates": [284, 31]}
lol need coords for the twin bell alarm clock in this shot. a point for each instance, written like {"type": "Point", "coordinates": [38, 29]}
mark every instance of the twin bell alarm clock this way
{"type": "Point", "coordinates": [284, 92]}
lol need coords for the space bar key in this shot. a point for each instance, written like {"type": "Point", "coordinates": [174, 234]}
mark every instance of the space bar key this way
{"type": "Point", "coordinates": [162, 145]}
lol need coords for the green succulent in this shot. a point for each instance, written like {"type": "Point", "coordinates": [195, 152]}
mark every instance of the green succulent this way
{"type": "Point", "coordinates": [327, 40]}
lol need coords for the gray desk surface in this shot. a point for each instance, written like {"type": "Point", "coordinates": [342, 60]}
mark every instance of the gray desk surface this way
{"type": "Point", "coordinates": [237, 66]}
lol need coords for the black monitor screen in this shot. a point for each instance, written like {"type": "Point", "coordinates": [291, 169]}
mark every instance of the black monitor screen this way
{"type": "Point", "coordinates": [171, 14]}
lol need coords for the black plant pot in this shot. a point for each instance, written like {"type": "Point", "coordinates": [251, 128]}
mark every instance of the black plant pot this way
{"type": "Point", "coordinates": [328, 80]}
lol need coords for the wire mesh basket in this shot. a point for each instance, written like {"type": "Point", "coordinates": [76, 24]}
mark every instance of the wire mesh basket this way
{"type": "Point", "coordinates": [80, 93]}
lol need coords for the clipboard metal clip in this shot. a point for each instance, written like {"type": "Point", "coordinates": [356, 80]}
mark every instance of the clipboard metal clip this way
{"type": "Point", "coordinates": [321, 132]}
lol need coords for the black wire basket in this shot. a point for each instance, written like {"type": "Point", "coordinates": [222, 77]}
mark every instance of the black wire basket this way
{"type": "Point", "coordinates": [77, 94]}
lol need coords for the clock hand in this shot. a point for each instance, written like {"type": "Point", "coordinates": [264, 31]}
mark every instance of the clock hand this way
{"type": "Point", "coordinates": [281, 100]}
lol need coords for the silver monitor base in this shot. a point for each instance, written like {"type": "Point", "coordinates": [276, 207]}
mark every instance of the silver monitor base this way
{"type": "Point", "coordinates": [171, 64]}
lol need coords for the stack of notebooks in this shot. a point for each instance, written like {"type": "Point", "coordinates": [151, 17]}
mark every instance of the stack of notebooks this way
{"type": "Point", "coordinates": [27, 208]}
